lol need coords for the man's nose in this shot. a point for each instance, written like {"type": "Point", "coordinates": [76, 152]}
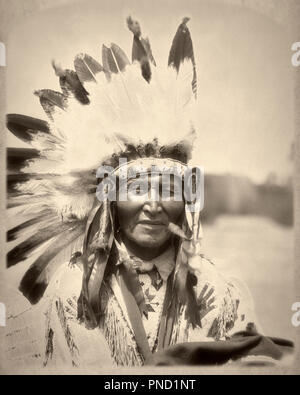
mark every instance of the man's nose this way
{"type": "Point", "coordinates": [152, 207]}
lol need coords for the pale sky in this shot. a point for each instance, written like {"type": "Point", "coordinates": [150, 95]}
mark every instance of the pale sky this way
{"type": "Point", "coordinates": [245, 92]}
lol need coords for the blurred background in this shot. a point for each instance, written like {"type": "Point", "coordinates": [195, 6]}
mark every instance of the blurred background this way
{"type": "Point", "coordinates": [244, 122]}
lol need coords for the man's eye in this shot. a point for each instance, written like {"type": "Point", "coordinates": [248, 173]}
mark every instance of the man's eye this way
{"type": "Point", "coordinates": [138, 191]}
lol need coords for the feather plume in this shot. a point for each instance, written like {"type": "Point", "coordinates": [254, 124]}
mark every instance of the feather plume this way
{"type": "Point", "coordinates": [114, 59]}
{"type": "Point", "coordinates": [147, 46]}
{"type": "Point", "coordinates": [182, 52]}
{"type": "Point", "coordinates": [119, 56]}
{"type": "Point", "coordinates": [23, 250]}
{"type": "Point", "coordinates": [87, 68]}
{"type": "Point", "coordinates": [36, 278]}
{"type": "Point", "coordinates": [50, 100]}
{"type": "Point", "coordinates": [59, 71]}
{"type": "Point", "coordinates": [26, 128]}
{"type": "Point", "coordinates": [141, 49]}
{"type": "Point", "coordinates": [20, 230]}
{"type": "Point", "coordinates": [18, 158]}
{"type": "Point", "coordinates": [134, 26]}
{"type": "Point", "coordinates": [70, 84]}
{"type": "Point", "coordinates": [108, 60]}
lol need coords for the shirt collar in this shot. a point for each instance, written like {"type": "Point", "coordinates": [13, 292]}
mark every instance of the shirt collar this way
{"type": "Point", "coordinates": [164, 263]}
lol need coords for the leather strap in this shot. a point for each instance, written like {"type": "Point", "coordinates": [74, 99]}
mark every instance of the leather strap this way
{"type": "Point", "coordinates": [168, 316]}
{"type": "Point", "coordinates": [135, 318]}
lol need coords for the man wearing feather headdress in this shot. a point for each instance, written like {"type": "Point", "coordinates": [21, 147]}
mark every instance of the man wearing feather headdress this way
{"type": "Point", "coordinates": [139, 291]}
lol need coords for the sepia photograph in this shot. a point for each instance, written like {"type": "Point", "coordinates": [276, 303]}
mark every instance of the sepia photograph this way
{"type": "Point", "coordinates": [149, 189]}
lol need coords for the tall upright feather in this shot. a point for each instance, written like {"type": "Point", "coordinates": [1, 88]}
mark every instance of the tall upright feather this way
{"type": "Point", "coordinates": [50, 99]}
{"type": "Point", "coordinates": [114, 59]}
{"type": "Point", "coordinates": [70, 84]}
{"type": "Point", "coordinates": [182, 50]}
{"type": "Point", "coordinates": [87, 68]}
{"type": "Point", "coordinates": [141, 49]}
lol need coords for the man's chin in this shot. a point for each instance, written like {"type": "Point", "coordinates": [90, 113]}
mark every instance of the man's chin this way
{"type": "Point", "coordinates": [150, 242]}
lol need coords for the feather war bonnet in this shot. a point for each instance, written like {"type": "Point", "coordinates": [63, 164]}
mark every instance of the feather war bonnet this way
{"type": "Point", "coordinates": [104, 111]}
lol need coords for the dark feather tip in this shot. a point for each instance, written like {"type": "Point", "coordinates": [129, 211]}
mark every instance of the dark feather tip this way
{"type": "Point", "coordinates": [24, 127]}
{"type": "Point", "coordinates": [18, 158]}
{"type": "Point", "coordinates": [31, 289]}
{"type": "Point", "coordinates": [182, 46]}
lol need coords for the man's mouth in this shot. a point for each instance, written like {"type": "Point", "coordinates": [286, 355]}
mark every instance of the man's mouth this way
{"type": "Point", "coordinates": [152, 223]}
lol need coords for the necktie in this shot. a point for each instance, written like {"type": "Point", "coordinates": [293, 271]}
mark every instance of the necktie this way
{"type": "Point", "coordinates": [150, 269]}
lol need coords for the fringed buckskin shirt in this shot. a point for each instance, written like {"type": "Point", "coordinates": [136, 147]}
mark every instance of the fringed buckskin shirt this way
{"type": "Point", "coordinates": [60, 339]}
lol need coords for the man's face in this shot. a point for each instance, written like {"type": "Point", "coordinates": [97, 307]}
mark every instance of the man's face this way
{"type": "Point", "coordinates": [144, 220]}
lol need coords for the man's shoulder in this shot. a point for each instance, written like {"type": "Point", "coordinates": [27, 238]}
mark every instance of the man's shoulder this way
{"type": "Point", "coordinates": [206, 269]}
{"type": "Point", "coordinates": [209, 274]}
